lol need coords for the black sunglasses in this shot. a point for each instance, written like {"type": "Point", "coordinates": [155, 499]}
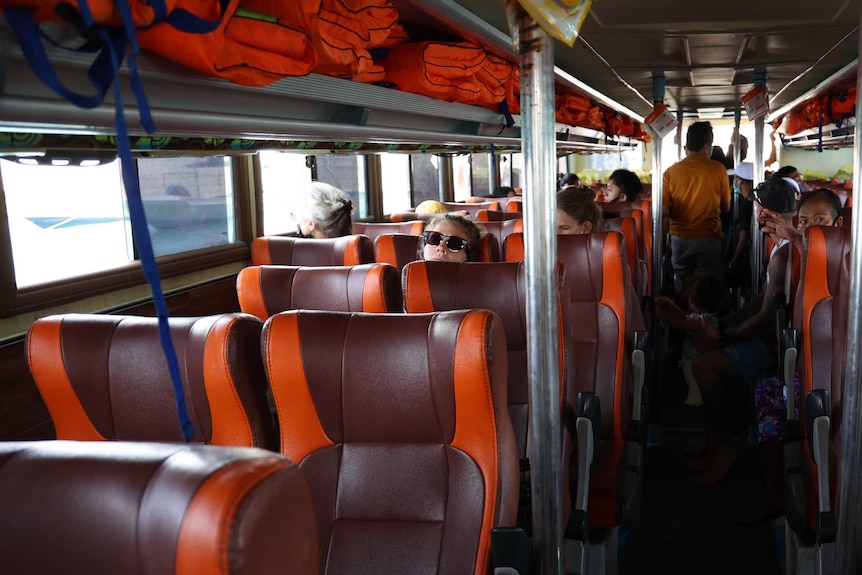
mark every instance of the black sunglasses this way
{"type": "Point", "coordinates": [453, 243]}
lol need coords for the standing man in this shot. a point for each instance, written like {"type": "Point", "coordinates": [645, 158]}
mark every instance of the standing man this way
{"type": "Point", "coordinates": [696, 193]}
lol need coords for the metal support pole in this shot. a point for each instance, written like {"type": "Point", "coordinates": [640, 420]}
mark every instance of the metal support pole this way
{"type": "Point", "coordinates": [445, 177]}
{"type": "Point", "coordinates": [543, 359]}
{"type": "Point", "coordinates": [757, 259]}
{"type": "Point", "coordinates": [848, 542]}
{"type": "Point", "coordinates": [737, 140]}
{"type": "Point", "coordinates": [657, 197]}
{"type": "Point", "coordinates": [737, 199]}
{"type": "Point", "coordinates": [679, 117]}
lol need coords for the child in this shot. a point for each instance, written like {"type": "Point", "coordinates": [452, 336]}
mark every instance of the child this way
{"type": "Point", "coordinates": [704, 294]}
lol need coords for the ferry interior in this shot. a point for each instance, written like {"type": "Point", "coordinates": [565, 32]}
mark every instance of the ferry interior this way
{"type": "Point", "coordinates": [279, 404]}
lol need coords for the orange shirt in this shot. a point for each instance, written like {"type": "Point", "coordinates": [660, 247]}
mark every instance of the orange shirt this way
{"type": "Point", "coordinates": [695, 191]}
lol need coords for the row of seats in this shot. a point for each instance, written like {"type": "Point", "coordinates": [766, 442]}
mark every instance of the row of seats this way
{"type": "Point", "coordinates": [815, 348]}
{"type": "Point", "coordinates": [410, 458]}
{"type": "Point", "coordinates": [597, 360]}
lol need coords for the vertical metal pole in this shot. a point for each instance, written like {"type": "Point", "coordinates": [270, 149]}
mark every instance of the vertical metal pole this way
{"type": "Point", "coordinates": [493, 172]}
{"type": "Point", "coordinates": [540, 163]}
{"type": "Point", "coordinates": [737, 199]}
{"type": "Point", "coordinates": [679, 117]}
{"type": "Point", "coordinates": [756, 235]}
{"type": "Point", "coordinates": [737, 141]}
{"type": "Point", "coordinates": [848, 543]}
{"type": "Point", "coordinates": [445, 178]}
{"type": "Point", "coordinates": [657, 195]}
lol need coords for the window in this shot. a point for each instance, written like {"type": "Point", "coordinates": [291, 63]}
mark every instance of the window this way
{"type": "Point", "coordinates": [71, 220]}
{"type": "Point", "coordinates": [505, 161]}
{"type": "Point", "coordinates": [395, 174]}
{"type": "Point", "coordinates": [282, 176]}
{"type": "Point", "coordinates": [517, 170]}
{"type": "Point", "coordinates": [188, 201]}
{"type": "Point", "coordinates": [461, 169]}
{"type": "Point", "coordinates": [481, 174]}
{"type": "Point", "coordinates": [347, 173]}
{"type": "Point", "coordinates": [426, 178]}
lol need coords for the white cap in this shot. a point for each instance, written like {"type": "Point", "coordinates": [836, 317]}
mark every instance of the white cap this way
{"type": "Point", "coordinates": [794, 182]}
{"type": "Point", "coordinates": [744, 170]}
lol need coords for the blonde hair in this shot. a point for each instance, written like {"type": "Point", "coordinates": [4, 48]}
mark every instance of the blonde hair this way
{"type": "Point", "coordinates": [329, 208]}
{"type": "Point", "coordinates": [431, 207]}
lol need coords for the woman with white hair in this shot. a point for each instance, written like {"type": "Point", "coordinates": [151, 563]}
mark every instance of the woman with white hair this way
{"type": "Point", "coordinates": [324, 212]}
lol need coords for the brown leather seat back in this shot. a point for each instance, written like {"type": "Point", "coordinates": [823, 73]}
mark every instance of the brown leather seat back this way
{"type": "Point", "coordinates": [153, 508]}
{"type": "Point", "coordinates": [400, 424]}
{"type": "Point", "coordinates": [497, 216]}
{"type": "Point", "coordinates": [413, 228]}
{"type": "Point", "coordinates": [105, 377]}
{"type": "Point", "coordinates": [627, 226]}
{"type": "Point", "coordinates": [289, 251]}
{"type": "Point", "coordinates": [472, 209]}
{"type": "Point", "coordinates": [264, 291]}
{"type": "Point", "coordinates": [397, 249]}
{"type": "Point", "coordinates": [499, 287]}
{"type": "Point", "coordinates": [821, 278]}
{"type": "Point", "coordinates": [597, 308]}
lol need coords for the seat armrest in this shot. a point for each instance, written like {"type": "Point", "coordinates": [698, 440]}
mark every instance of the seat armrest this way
{"type": "Point", "coordinates": [817, 419]}
{"type": "Point", "coordinates": [789, 352]}
{"type": "Point", "coordinates": [641, 344]}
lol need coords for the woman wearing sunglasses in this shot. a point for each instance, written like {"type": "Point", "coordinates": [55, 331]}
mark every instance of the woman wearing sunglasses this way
{"type": "Point", "coordinates": [451, 238]}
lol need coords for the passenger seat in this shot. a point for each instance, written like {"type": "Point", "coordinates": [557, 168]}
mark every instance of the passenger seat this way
{"type": "Point", "coordinates": [105, 377]}
{"type": "Point", "coordinates": [152, 508]}
{"type": "Point", "coordinates": [290, 251]}
{"type": "Point", "coordinates": [401, 426]}
{"type": "Point", "coordinates": [264, 291]}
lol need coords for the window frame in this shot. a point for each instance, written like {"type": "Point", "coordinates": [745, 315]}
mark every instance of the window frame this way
{"type": "Point", "coordinates": [14, 301]}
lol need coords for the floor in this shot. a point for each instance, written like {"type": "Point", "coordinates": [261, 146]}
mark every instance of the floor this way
{"type": "Point", "coordinates": [693, 529]}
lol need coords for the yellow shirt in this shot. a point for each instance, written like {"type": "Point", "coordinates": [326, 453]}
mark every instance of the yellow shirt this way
{"type": "Point", "coordinates": [695, 191]}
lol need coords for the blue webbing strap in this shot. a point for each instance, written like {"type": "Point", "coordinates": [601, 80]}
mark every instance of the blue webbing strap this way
{"type": "Point", "coordinates": [103, 72]}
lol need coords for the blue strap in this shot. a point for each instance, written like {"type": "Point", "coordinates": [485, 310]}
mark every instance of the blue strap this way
{"type": "Point", "coordinates": [140, 229]}
{"type": "Point", "coordinates": [102, 73]}
{"type": "Point", "coordinates": [504, 109]}
{"type": "Point", "coordinates": [820, 135]}
{"type": "Point", "coordinates": [185, 21]}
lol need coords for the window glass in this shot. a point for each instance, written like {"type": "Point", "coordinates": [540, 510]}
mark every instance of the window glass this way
{"type": "Point", "coordinates": [347, 173]}
{"type": "Point", "coordinates": [71, 220]}
{"type": "Point", "coordinates": [188, 202]}
{"type": "Point", "coordinates": [517, 170]}
{"type": "Point", "coordinates": [64, 221]}
{"type": "Point", "coordinates": [461, 170]}
{"type": "Point", "coordinates": [481, 174]}
{"type": "Point", "coordinates": [395, 176]}
{"type": "Point", "coordinates": [283, 175]}
{"type": "Point", "coordinates": [426, 178]}
{"type": "Point", "coordinates": [505, 169]}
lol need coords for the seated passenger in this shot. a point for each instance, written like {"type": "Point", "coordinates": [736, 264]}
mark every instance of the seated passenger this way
{"type": "Point", "coordinates": [431, 207]}
{"type": "Point", "coordinates": [747, 338]}
{"type": "Point", "coordinates": [623, 186]}
{"type": "Point", "coordinates": [822, 207]}
{"type": "Point", "coordinates": [704, 294]}
{"type": "Point", "coordinates": [577, 212]}
{"type": "Point", "coordinates": [323, 212]}
{"type": "Point", "coordinates": [451, 238]}
{"type": "Point", "coordinates": [569, 181]}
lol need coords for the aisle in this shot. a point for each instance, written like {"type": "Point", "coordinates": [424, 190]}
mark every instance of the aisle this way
{"type": "Point", "coordinates": [686, 528]}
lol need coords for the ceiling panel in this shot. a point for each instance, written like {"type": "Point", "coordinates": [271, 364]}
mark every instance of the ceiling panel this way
{"type": "Point", "coordinates": [708, 52]}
